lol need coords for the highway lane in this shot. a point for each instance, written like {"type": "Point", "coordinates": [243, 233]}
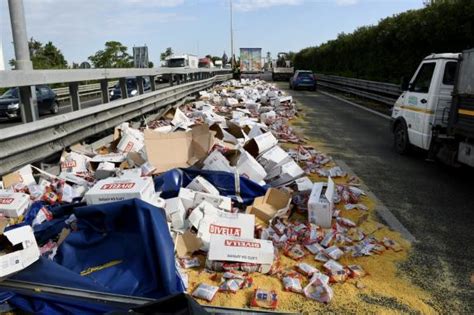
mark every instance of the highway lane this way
{"type": "Point", "coordinates": [66, 108]}
{"type": "Point", "coordinates": [434, 202]}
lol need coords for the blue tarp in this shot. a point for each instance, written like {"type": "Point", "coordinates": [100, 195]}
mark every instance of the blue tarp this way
{"type": "Point", "coordinates": [170, 182]}
{"type": "Point", "coordinates": [127, 245]}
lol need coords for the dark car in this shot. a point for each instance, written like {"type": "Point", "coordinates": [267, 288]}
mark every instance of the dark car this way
{"type": "Point", "coordinates": [132, 88]}
{"type": "Point", "coordinates": [303, 79]}
{"type": "Point", "coordinates": [10, 102]}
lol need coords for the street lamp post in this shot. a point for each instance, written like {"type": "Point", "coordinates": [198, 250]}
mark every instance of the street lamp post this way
{"type": "Point", "coordinates": [28, 106]}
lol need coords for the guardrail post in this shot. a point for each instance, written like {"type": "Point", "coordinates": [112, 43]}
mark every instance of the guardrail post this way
{"type": "Point", "coordinates": [74, 95]}
{"type": "Point", "coordinates": [123, 88]}
{"type": "Point", "coordinates": [171, 79]}
{"type": "Point", "coordinates": [141, 90]}
{"type": "Point", "coordinates": [28, 108]}
{"type": "Point", "coordinates": [152, 83]}
{"type": "Point", "coordinates": [104, 87]}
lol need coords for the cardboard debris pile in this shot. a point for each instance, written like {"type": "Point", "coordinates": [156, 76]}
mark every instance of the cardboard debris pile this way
{"type": "Point", "coordinates": [238, 127]}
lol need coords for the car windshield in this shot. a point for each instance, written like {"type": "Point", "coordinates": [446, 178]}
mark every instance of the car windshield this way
{"type": "Point", "coordinates": [174, 63]}
{"type": "Point", "coordinates": [11, 93]}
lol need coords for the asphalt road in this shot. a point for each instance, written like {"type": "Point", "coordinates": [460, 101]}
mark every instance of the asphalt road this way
{"type": "Point", "coordinates": [434, 202]}
{"type": "Point", "coordinates": [66, 108]}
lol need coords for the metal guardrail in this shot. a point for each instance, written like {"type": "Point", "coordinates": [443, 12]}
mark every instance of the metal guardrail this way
{"type": "Point", "coordinates": [386, 93]}
{"type": "Point", "coordinates": [26, 79]}
{"type": "Point", "coordinates": [32, 142]}
{"type": "Point", "coordinates": [62, 93]}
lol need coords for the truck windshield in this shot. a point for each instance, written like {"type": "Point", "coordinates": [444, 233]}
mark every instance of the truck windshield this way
{"type": "Point", "coordinates": [175, 63]}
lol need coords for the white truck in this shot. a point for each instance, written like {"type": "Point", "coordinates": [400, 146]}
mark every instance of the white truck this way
{"type": "Point", "coordinates": [435, 112]}
{"type": "Point", "coordinates": [282, 69]}
{"type": "Point", "coordinates": [185, 61]}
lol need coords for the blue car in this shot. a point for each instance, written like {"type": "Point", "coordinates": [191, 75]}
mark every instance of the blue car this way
{"type": "Point", "coordinates": [303, 79]}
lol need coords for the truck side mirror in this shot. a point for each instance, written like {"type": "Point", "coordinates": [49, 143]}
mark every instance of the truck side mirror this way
{"type": "Point", "coordinates": [405, 84]}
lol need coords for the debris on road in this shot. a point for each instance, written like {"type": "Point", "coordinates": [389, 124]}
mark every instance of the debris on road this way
{"type": "Point", "coordinates": [250, 204]}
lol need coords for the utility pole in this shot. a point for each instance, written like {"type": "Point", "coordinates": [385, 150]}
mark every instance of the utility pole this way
{"type": "Point", "coordinates": [28, 106]}
{"type": "Point", "coordinates": [232, 57]}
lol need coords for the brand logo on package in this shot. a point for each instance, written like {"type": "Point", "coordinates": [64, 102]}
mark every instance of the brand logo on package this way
{"type": "Point", "coordinates": [68, 164]}
{"type": "Point", "coordinates": [234, 243]}
{"type": "Point", "coordinates": [224, 230]}
{"type": "Point", "coordinates": [6, 201]}
{"type": "Point", "coordinates": [117, 186]}
{"type": "Point", "coordinates": [129, 147]}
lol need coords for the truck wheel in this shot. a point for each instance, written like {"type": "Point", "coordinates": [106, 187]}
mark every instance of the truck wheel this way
{"type": "Point", "coordinates": [401, 142]}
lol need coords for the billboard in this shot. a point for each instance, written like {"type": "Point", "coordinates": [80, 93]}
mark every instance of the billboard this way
{"type": "Point", "coordinates": [250, 59]}
{"type": "Point", "coordinates": [140, 57]}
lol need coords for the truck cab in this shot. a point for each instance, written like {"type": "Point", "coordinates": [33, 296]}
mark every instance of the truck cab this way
{"type": "Point", "coordinates": [422, 110]}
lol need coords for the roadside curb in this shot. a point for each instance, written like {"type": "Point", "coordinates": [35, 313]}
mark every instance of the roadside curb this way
{"type": "Point", "coordinates": [387, 216]}
{"type": "Point", "coordinates": [355, 105]}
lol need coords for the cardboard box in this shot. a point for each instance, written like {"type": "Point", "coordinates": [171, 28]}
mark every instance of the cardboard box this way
{"type": "Point", "coordinates": [178, 149]}
{"type": "Point", "coordinates": [304, 184]}
{"type": "Point", "coordinates": [104, 170]}
{"type": "Point", "coordinates": [187, 197]}
{"type": "Point", "coordinates": [248, 167]}
{"type": "Point", "coordinates": [181, 120]}
{"type": "Point", "coordinates": [129, 143]}
{"type": "Point", "coordinates": [321, 204]}
{"type": "Point", "coordinates": [274, 157]}
{"type": "Point", "coordinates": [176, 213]}
{"type": "Point", "coordinates": [221, 202]}
{"type": "Point", "coordinates": [285, 174]}
{"type": "Point", "coordinates": [73, 162]}
{"type": "Point", "coordinates": [116, 189]}
{"type": "Point", "coordinates": [13, 205]}
{"type": "Point", "coordinates": [199, 183]}
{"type": "Point", "coordinates": [260, 144]}
{"type": "Point", "coordinates": [226, 223]}
{"type": "Point", "coordinates": [25, 250]}
{"type": "Point", "coordinates": [216, 161]}
{"type": "Point", "coordinates": [22, 176]}
{"type": "Point", "coordinates": [186, 244]}
{"type": "Point", "coordinates": [246, 250]}
{"type": "Point", "coordinates": [276, 202]}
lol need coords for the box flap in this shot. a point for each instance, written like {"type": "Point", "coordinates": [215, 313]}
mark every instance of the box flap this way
{"type": "Point", "coordinates": [187, 243]}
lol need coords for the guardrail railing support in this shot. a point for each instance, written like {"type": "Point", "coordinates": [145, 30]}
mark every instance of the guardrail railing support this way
{"type": "Point", "coordinates": [104, 87]}
{"type": "Point", "coordinates": [141, 89]}
{"type": "Point", "coordinates": [123, 88]}
{"type": "Point", "coordinates": [171, 79]}
{"type": "Point", "coordinates": [29, 110]}
{"type": "Point", "coordinates": [74, 96]}
{"type": "Point", "coordinates": [152, 83]}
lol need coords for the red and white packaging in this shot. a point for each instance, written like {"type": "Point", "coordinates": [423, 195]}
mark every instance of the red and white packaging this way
{"type": "Point", "coordinates": [73, 162]}
{"type": "Point", "coordinates": [205, 292]}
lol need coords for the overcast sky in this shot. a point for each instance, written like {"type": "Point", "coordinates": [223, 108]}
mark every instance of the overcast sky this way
{"type": "Point", "coordinates": [81, 27]}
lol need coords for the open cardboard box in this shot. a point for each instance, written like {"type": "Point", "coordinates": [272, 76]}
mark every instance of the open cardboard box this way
{"type": "Point", "coordinates": [276, 202]}
{"type": "Point", "coordinates": [19, 249]}
{"type": "Point", "coordinates": [177, 149]}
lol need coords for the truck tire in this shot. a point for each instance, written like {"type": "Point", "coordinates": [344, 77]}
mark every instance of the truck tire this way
{"type": "Point", "coordinates": [400, 137]}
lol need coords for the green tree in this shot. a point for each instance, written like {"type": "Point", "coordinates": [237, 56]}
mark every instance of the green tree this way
{"type": "Point", "coordinates": [45, 56]}
{"type": "Point", "coordinates": [113, 56]}
{"type": "Point", "coordinates": [395, 46]}
{"type": "Point", "coordinates": [168, 52]}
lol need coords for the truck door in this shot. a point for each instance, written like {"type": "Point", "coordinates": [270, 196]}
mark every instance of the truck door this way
{"type": "Point", "coordinates": [417, 105]}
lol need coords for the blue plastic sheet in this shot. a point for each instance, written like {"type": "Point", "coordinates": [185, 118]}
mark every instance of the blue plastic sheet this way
{"type": "Point", "coordinates": [170, 182]}
{"type": "Point", "coordinates": [126, 247]}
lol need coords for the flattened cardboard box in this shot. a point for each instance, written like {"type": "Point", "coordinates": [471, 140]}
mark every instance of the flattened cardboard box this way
{"type": "Point", "coordinates": [22, 176]}
{"type": "Point", "coordinates": [177, 149]}
{"type": "Point", "coordinates": [21, 258]}
{"type": "Point", "coordinates": [227, 248]}
{"type": "Point", "coordinates": [117, 189]}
